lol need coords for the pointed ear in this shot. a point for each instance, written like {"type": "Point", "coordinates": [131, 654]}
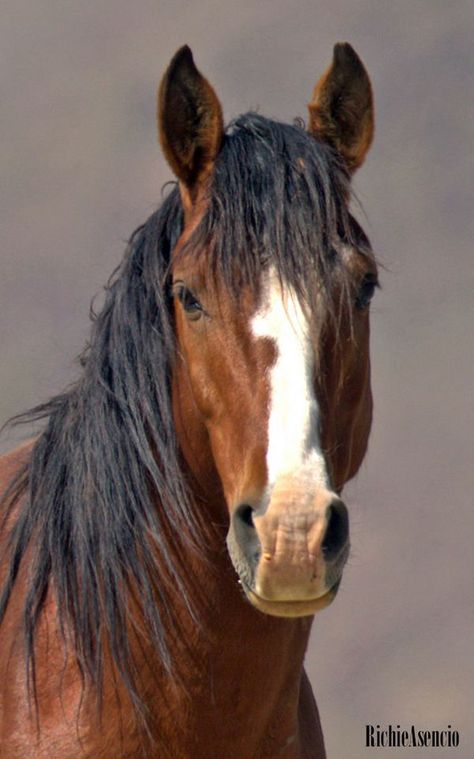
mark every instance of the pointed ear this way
{"type": "Point", "coordinates": [190, 124]}
{"type": "Point", "coordinates": [341, 112]}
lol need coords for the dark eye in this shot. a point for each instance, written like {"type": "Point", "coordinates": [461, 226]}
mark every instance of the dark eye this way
{"type": "Point", "coordinates": [189, 302]}
{"type": "Point", "coordinates": [366, 291]}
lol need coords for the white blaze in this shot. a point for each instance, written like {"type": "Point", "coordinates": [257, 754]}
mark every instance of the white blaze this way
{"type": "Point", "coordinates": [293, 438]}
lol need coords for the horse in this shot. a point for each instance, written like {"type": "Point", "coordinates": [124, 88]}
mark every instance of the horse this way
{"type": "Point", "coordinates": [169, 535]}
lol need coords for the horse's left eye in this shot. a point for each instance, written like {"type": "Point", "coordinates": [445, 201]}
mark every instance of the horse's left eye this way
{"type": "Point", "coordinates": [366, 291]}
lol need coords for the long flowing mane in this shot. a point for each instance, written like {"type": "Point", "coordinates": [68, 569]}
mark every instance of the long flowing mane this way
{"type": "Point", "coordinates": [104, 506]}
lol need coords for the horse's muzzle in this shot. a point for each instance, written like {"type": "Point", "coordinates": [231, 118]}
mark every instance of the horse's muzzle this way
{"type": "Point", "coordinates": [290, 554]}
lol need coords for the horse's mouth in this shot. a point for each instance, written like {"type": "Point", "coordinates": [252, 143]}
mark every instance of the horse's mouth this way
{"type": "Point", "coordinates": [305, 608]}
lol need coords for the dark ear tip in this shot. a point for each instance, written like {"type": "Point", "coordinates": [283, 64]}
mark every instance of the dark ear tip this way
{"type": "Point", "coordinates": [182, 58]}
{"type": "Point", "coordinates": [183, 53]}
{"type": "Point", "coordinates": [345, 56]}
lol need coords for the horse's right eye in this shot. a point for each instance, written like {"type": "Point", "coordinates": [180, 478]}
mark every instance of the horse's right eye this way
{"type": "Point", "coordinates": [189, 302]}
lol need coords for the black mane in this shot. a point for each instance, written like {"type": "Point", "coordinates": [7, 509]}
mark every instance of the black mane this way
{"type": "Point", "coordinates": [106, 505]}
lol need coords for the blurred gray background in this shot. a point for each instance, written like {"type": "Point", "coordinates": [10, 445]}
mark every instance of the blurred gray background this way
{"type": "Point", "coordinates": [80, 169]}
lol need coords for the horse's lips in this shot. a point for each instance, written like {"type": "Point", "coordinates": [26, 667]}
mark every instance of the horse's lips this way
{"type": "Point", "coordinates": [291, 608]}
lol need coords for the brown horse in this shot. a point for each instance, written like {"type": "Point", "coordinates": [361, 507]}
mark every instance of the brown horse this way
{"type": "Point", "coordinates": [224, 398]}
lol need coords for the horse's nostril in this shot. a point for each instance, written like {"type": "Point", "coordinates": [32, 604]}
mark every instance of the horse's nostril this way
{"type": "Point", "coordinates": [245, 514]}
{"type": "Point", "coordinates": [244, 539]}
{"type": "Point", "coordinates": [337, 529]}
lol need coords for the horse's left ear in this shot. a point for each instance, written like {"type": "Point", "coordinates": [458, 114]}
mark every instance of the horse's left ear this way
{"type": "Point", "coordinates": [341, 112]}
{"type": "Point", "coordinates": [190, 123]}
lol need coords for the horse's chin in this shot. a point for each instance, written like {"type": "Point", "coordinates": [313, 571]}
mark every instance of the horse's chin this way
{"type": "Point", "coordinates": [305, 608]}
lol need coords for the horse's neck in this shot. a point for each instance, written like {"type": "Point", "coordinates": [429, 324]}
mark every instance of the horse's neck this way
{"type": "Point", "coordinates": [243, 684]}
{"type": "Point", "coordinates": [238, 691]}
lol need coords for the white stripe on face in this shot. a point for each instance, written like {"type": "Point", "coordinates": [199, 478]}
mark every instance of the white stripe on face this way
{"type": "Point", "coordinates": [293, 437]}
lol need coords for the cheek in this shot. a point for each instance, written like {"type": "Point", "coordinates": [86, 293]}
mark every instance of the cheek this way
{"type": "Point", "coordinates": [195, 367]}
{"type": "Point", "coordinates": [204, 390]}
{"type": "Point", "coordinates": [360, 430]}
{"type": "Point", "coordinates": [347, 410]}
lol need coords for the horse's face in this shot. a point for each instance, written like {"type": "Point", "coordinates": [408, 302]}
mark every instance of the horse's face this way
{"type": "Point", "coordinates": [272, 390]}
{"type": "Point", "coordinates": [285, 404]}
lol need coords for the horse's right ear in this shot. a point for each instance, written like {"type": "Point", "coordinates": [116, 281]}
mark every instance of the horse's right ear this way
{"type": "Point", "coordinates": [190, 123]}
